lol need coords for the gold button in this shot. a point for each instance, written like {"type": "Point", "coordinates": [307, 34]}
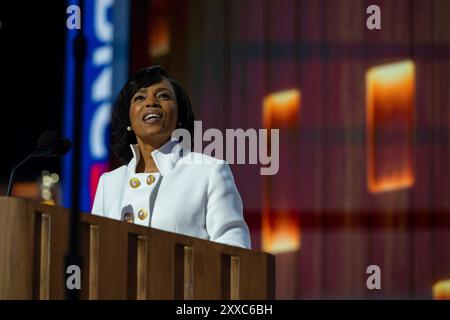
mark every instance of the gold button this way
{"type": "Point", "coordinates": [128, 217]}
{"type": "Point", "coordinates": [150, 179]}
{"type": "Point", "coordinates": [135, 183]}
{"type": "Point", "coordinates": [142, 214]}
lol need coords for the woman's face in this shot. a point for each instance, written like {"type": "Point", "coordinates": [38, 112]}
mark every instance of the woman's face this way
{"type": "Point", "coordinates": [154, 113]}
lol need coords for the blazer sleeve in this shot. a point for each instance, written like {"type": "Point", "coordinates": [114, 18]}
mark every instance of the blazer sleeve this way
{"type": "Point", "coordinates": [97, 207]}
{"type": "Point", "coordinates": [224, 217]}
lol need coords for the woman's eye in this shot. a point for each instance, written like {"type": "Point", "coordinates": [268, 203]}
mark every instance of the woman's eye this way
{"type": "Point", "coordinates": [163, 96]}
{"type": "Point", "coordinates": [139, 98]}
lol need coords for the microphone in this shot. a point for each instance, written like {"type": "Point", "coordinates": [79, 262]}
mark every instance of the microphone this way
{"type": "Point", "coordinates": [62, 147]}
{"type": "Point", "coordinates": [48, 145]}
{"type": "Point", "coordinates": [45, 144]}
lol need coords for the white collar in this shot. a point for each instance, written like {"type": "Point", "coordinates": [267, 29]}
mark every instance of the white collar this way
{"type": "Point", "coordinates": [165, 157]}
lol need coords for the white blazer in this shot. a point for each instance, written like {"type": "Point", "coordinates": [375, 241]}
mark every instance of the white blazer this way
{"type": "Point", "coordinates": [192, 194]}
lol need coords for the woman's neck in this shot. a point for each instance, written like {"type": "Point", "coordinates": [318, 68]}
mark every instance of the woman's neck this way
{"type": "Point", "coordinates": [146, 161]}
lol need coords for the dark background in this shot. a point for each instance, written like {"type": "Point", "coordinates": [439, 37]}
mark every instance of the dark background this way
{"type": "Point", "coordinates": [32, 38]}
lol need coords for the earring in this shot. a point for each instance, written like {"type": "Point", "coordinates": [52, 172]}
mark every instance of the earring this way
{"type": "Point", "coordinates": [180, 123]}
{"type": "Point", "coordinates": [129, 129]}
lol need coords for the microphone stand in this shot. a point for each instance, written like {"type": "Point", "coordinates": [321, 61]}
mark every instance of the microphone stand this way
{"type": "Point", "coordinates": [13, 174]}
{"type": "Point", "coordinates": [47, 146]}
{"type": "Point", "coordinates": [73, 256]}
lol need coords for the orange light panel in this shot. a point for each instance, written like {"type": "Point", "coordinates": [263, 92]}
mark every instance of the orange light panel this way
{"type": "Point", "coordinates": [159, 44]}
{"type": "Point", "coordinates": [158, 28]}
{"type": "Point", "coordinates": [281, 232]}
{"type": "Point", "coordinates": [29, 190]}
{"type": "Point", "coordinates": [280, 228]}
{"type": "Point", "coordinates": [441, 290]}
{"type": "Point", "coordinates": [389, 105]}
{"type": "Point", "coordinates": [281, 109]}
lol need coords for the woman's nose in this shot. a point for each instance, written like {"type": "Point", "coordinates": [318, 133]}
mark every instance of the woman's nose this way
{"type": "Point", "coordinates": [152, 102]}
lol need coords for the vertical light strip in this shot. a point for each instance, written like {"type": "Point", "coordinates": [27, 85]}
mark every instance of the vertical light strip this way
{"type": "Point", "coordinates": [390, 108]}
{"type": "Point", "coordinates": [98, 29]}
{"type": "Point", "coordinates": [280, 227]}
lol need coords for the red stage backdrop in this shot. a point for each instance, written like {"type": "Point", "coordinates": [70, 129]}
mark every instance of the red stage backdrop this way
{"type": "Point", "coordinates": [358, 185]}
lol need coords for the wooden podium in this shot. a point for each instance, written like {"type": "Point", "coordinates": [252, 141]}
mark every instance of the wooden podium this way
{"type": "Point", "coordinates": [121, 260]}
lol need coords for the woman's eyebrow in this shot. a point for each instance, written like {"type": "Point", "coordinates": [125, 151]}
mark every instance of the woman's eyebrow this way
{"type": "Point", "coordinates": [141, 91]}
{"type": "Point", "coordinates": [158, 89]}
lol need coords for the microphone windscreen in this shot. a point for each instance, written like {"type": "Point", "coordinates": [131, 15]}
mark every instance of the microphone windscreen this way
{"type": "Point", "coordinates": [62, 147]}
{"type": "Point", "coordinates": [47, 140]}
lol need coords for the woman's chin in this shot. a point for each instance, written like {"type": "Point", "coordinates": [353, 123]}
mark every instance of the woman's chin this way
{"type": "Point", "coordinates": [151, 128]}
{"type": "Point", "coordinates": [153, 137]}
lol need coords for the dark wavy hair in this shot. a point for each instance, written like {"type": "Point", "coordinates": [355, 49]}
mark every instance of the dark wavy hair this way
{"type": "Point", "coordinates": [121, 138]}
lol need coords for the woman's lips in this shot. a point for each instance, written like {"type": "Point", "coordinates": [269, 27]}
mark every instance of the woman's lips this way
{"type": "Point", "coordinates": [153, 120]}
{"type": "Point", "coordinates": [152, 117]}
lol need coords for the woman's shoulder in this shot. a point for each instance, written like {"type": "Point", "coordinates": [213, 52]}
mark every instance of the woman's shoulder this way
{"type": "Point", "coordinates": [201, 159]}
{"type": "Point", "coordinates": [116, 173]}
{"type": "Point", "coordinates": [205, 166]}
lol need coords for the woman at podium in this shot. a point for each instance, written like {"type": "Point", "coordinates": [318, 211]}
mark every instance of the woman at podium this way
{"type": "Point", "coordinates": [163, 184]}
